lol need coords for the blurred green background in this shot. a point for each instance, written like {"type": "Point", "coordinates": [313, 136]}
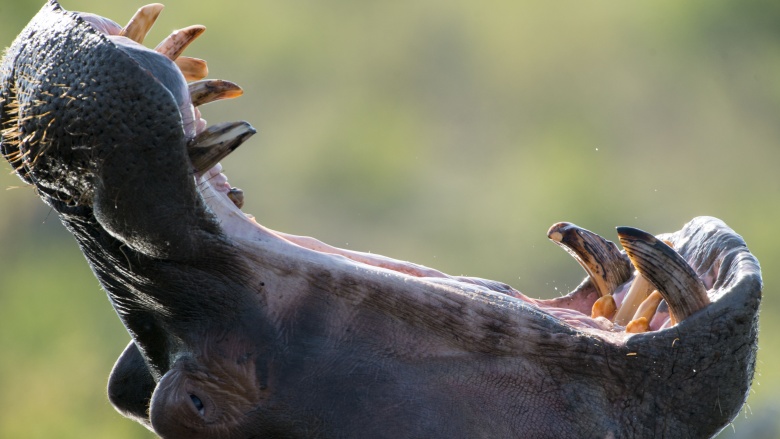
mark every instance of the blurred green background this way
{"type": "Point", "coordinates": [449, 133]}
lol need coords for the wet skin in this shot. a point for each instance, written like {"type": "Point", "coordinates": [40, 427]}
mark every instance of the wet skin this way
{"type": "Point", "coordinates": [240, 331]}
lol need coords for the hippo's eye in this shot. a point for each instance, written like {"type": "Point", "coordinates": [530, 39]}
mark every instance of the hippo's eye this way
{"type": "Point", "coordinates": [198, 404]}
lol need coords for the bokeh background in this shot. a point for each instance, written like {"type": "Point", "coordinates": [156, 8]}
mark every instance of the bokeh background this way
{"type": "Point", "coordinates": [451, 133]}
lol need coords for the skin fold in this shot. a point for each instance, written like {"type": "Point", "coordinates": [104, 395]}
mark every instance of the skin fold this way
{"type": "Point", "coordinates": [242, 332]}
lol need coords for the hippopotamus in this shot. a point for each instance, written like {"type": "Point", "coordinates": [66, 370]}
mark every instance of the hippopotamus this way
{"type": "Point", "coordinates": [240, 331]}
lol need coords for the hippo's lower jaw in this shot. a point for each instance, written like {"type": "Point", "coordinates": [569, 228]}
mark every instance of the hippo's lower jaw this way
{"type": "Point", "coordinates": [241, 331]}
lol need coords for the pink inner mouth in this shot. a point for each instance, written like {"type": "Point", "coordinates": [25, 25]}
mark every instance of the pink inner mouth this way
{"type": "Point", "coordinates": [217, 179]}
{"type": "Point", "coordinates": [227, 213]}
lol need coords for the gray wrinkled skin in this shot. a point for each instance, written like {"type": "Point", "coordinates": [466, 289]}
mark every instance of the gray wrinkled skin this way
{"type": "Point", "coordinates": [243, 337]}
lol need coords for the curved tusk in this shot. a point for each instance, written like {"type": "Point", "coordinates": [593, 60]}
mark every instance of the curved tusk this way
{"type": "Point", "coordinates": [671, 275]}
{"type": "Point", "coordinates": [206, 91]}
{"type": "Point", "coordinates": [216, 142]}
{"type": "Point", "coordinates": [193, 69]}
{"type": "Point", "coordinates": [606, 266]}
{"type": "Point", "coordinates": [173, 46]}
{"type": "Point", "coordinates": [142, 22]}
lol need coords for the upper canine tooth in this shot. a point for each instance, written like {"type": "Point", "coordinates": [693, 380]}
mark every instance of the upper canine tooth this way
{"type": "Point", "coordinates": [193, 69]}
{"type": "Point", "coordinates": [671, 275]}
{"type": "Point", "coordinates": [142, 21]}
{"type": "Point", "coordinates": [206, 91]}
{"type": "Point", "coordinates": [606, 266]}
{"type": "Point", "coordinates": [174, 45]}
{"type": "Point", "coordinates": [216, 142]}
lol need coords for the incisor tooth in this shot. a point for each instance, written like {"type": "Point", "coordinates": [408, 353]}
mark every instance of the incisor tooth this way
{"type": "Point", "coordinates": [606, 266]}
{"type": "Point", "coordinates": [236, 195]}
{"type": "Point", "coordinates": [604, 306]}
{"type": "Point", "coordinates": [216, 142]}
{"type": "Point", "coordinates": [638, 291]}
{"type": "Point", "coordinates": [173, 46]}
{"type": "Point", "coordinates": [210, 90]}
{"type": "Point", "coordinates": [648, 306]}
{"type": "Point", "coordinates": [142, 21]}
{"type": "Point", "coordinates": [671, 275]}
{"type": "Point", "coordinates": [193, 69]}
{"type": "Point", "coordinates": [638, 326]}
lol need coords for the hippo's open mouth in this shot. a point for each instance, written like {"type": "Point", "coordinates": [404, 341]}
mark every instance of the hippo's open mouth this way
{"type": "Point", "coordinates": [613, 300]}
{"type": "Point", "coordinates": [667, 328]}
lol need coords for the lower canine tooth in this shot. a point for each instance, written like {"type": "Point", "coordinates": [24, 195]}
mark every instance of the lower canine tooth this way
{"type": "Point", "coordinates": [671, 275]}
{"type": "Point", "coordinates": [206, 91]}
{"type": "Point", "coordinates": [193, 69]}
{"type": "Point", "coordinates": [606, 266]}
{"type": "Point", "coordinates": [604, 306]}
{"type": "Point", "coordinates": [173, 46]}
{"type": "Point", "coordinates": [236, 195]}
{"type": "Point", "coordinates": [142, 21]}
{"type": "Point", "coordinates": [216, 142]}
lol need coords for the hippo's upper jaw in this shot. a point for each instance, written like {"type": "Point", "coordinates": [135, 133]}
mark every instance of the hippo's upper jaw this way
{"type": "Point", "coordinates": [241, 331]}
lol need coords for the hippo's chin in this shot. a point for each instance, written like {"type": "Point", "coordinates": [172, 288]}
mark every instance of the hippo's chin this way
{"type": "Point", "coordinates": [242, 331]}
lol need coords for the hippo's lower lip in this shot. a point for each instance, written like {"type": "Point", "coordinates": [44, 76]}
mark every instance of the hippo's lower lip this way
{"type": "Point", "coordinates": [242, 331]}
